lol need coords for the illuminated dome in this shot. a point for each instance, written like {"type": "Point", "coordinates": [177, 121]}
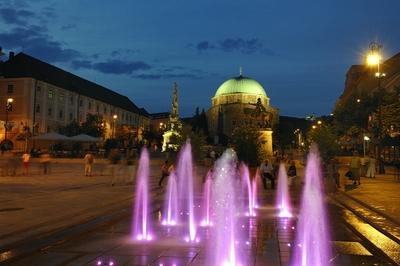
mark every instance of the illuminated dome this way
{"type": "Point", "coordinates": [240, 84]}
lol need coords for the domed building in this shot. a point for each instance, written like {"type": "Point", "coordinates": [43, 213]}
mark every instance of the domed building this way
{"type": "Point", "coordinates": [242, 101]}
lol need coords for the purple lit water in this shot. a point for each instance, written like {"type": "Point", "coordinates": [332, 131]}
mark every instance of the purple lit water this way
{"type": "Point", "coordinates": [185, 187]}
{"type": "Point", "coordinates": [250, 190]}
{"type": "Point", "coordinates": [170, 214]}
{"type": "Point", "coordinates": [141, 211]}
{"type": "Point", "coordinates": [282, 195]}
{"type": "Point", "coordinates": [254, 185]}
{"type": "Point", "coordinates": [312, 245]}
{"type": "Point", "coordinates": [206, 221]}
{"type": "Point", "coordinates": [224, 248]}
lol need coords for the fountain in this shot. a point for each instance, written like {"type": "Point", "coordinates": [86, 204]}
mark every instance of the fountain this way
{"type": "Point", "coordinates": [250, 189]}
{"type": "Point", "coordinates": [185, 192]}
{"type": "Point", "coordinates": [206, 200]}
{"type": "Point", "coordinates": [141, 212]}
{"type": "Point", "coordinates": [312, 235]}
{"type": "Point", "coordinates": [254, 189]}
{"type": "Point", "coordinates": [170, 215]}
{"type": "Point", "coordinates": [282, 195]}
{"type": "Point", "coordinates": [224, 248]}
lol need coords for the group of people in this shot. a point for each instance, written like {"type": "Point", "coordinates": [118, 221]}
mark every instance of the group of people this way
{"type": "Point", "coordinates": [361, 167]}
{"type": "Point", "coordinates": [269, 171]}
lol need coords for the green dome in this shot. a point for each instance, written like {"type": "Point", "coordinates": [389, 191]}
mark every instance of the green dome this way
{"type": "Point", "coordinates": [240, 85]}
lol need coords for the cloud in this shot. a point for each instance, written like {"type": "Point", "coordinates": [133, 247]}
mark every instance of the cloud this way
{"type": "Point", "coordinates": [68, 27]}
{"type": "Point", "coordinates": [249, 46]}
{"type": "Point", "coordinates": [161, 75]}
{"type": "Point", "coordinates": [123, 52]}
{"type": "Point", "coordinates": [35, 41]}
{"type": "Point", "coordinates": [117, 67]}
{"type": "Point", "coordinates": [204, 45]}
{"type": "Point", "coordinates": [15, 17]}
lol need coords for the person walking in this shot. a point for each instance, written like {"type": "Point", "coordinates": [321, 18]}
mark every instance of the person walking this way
{"type": "Point", "coordinates": [89, 160]}
{"type": "Point", "coordinates": [164, 173]}
{"type": "Point", "coordinates": [266, 170]}
{"type": "Point", "coordinates": [371, 167]}
{"type": "Point", "coordinates": [25, 162]}
{"type": "Point", "coordinates": [355, 165]}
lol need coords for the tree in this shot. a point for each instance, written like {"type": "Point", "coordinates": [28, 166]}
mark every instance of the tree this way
{"type": "Point", "coordinates": [325, 138]}
{"type": "Point", "coordinates": [197, 140]}
{"type": "Point", "coordinates": [93, 126]}
{"type": "Point", "coordinates": [247, 144]}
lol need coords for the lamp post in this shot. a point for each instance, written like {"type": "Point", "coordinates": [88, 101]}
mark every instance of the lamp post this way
{"type": "Point", "coordinates": [374, 58]}
{"type": "Point", "coordinates": [8, 109]}
{"type": "Point", "coordinates": [114, 121]}
{"type": "Point", "coordinates": [366, 139]}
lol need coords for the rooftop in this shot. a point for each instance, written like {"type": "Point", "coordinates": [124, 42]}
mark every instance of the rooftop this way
{"type": "Point", "coordinates": [23, 65]}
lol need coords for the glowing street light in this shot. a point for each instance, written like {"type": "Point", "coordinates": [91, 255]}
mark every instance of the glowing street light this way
{"type": "Point", "coordinates": [374, 58]}
{"type": "Point", "coordinates": [8, 109]}
{"type": "Point", "coordinates": [114, 120]}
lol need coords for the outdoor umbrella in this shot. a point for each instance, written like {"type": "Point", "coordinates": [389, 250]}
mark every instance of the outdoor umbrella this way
{"type": "Point", "coordinates": [84, 138]}
{"type": "Point", "coordinates": [52, 137]}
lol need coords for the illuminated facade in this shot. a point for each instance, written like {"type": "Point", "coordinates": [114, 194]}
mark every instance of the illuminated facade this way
{"type": "Point", "coordinates": [46, 98]}
{"type": "Point", "coordinates": [242, 101]}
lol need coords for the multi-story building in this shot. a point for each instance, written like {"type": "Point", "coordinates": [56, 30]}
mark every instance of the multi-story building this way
{"type": "Point", "coordinates": [46, 98]}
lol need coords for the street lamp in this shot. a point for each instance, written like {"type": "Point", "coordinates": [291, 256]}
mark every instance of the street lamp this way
{"type": "Point", "coordinates": [366, 139]}
{"type": "Point", "coordinates": [8, 109]}
{"type": "Point", "coordinates": [374, 59]}
{"type": "Point", "coordinates": [114, 120]}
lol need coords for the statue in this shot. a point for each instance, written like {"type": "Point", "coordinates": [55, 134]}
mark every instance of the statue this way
{"type": "Point", "coordinates": [174, 124]}
{"type": "Point", "coordinates": [174, 111]}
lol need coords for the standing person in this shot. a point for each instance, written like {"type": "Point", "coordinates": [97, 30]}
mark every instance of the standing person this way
{"type": "Point", "coordinates": [355, 165]}
{"type": "Point", "coordinates": [89, 160]}
{"type": "Point", "coordinates": [266, 170]}
{"type": "Point", "coordinates": [114, 160]}
{"type": "Point", "coordinates": [292, 171]}
{"type": "Point", "coordinates": [333, 170]}
{"type": "Point", "coordinates": [382, 165]}
{"type": "Point", "coordinates": [164, 173]}
{"type": "Point", "coordinates": [371, 167]}
{"type": "Point", "coordinates": [25, 162]}
{"type": "Point", "coordinates": [45, 161]}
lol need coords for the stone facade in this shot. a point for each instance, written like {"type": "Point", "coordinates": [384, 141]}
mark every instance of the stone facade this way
{"type": "Point", "coordinates": [232, 108]}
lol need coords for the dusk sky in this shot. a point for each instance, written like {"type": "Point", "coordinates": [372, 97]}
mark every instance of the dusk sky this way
{"type": "Point", "coordinates": [298, 50]}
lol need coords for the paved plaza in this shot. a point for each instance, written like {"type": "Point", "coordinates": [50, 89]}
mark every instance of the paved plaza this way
{"type": "Point", "coordinates": [85, 221]}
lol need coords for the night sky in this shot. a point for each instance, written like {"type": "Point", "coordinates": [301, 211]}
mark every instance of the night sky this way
{"type": "Point", "coordinates": [298, 50]}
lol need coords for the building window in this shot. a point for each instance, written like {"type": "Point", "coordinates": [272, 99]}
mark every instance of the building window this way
{"type": "Point", "coordinates": [71, 99]}
{"type": "Point", "coordinates": [48, 129]}
{"type": "Point", "coordinates": [49, 111]}
{"type": "Point", "coordinates": [38, 89]}
{"type": "Point", "coordinates": [105, 110]}
{"type": "Point", "coordinates": [71, 116]}
{"type": "Point", "coordinates": [38, 109]}
{"type": "Point", "coordinates": [61, 97]}
{"type": "Point", "coordinates": [50, 94]}
{"type": "Point", "coordinates": [80, 103]}
{"type": "Point", "coordinates": [90, 105]}
{"type": "Point", "coordinates": [97, 108]}
{"type": "Point", "coordinates": [10, 88]}
{"type": "Point", "coordinates": [60, 114]}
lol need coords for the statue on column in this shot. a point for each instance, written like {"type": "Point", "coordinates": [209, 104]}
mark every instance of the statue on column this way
{"type": "Point", "coordinates": [174, 125]}
{"type": "Point", "coordinates": [174, 111]}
